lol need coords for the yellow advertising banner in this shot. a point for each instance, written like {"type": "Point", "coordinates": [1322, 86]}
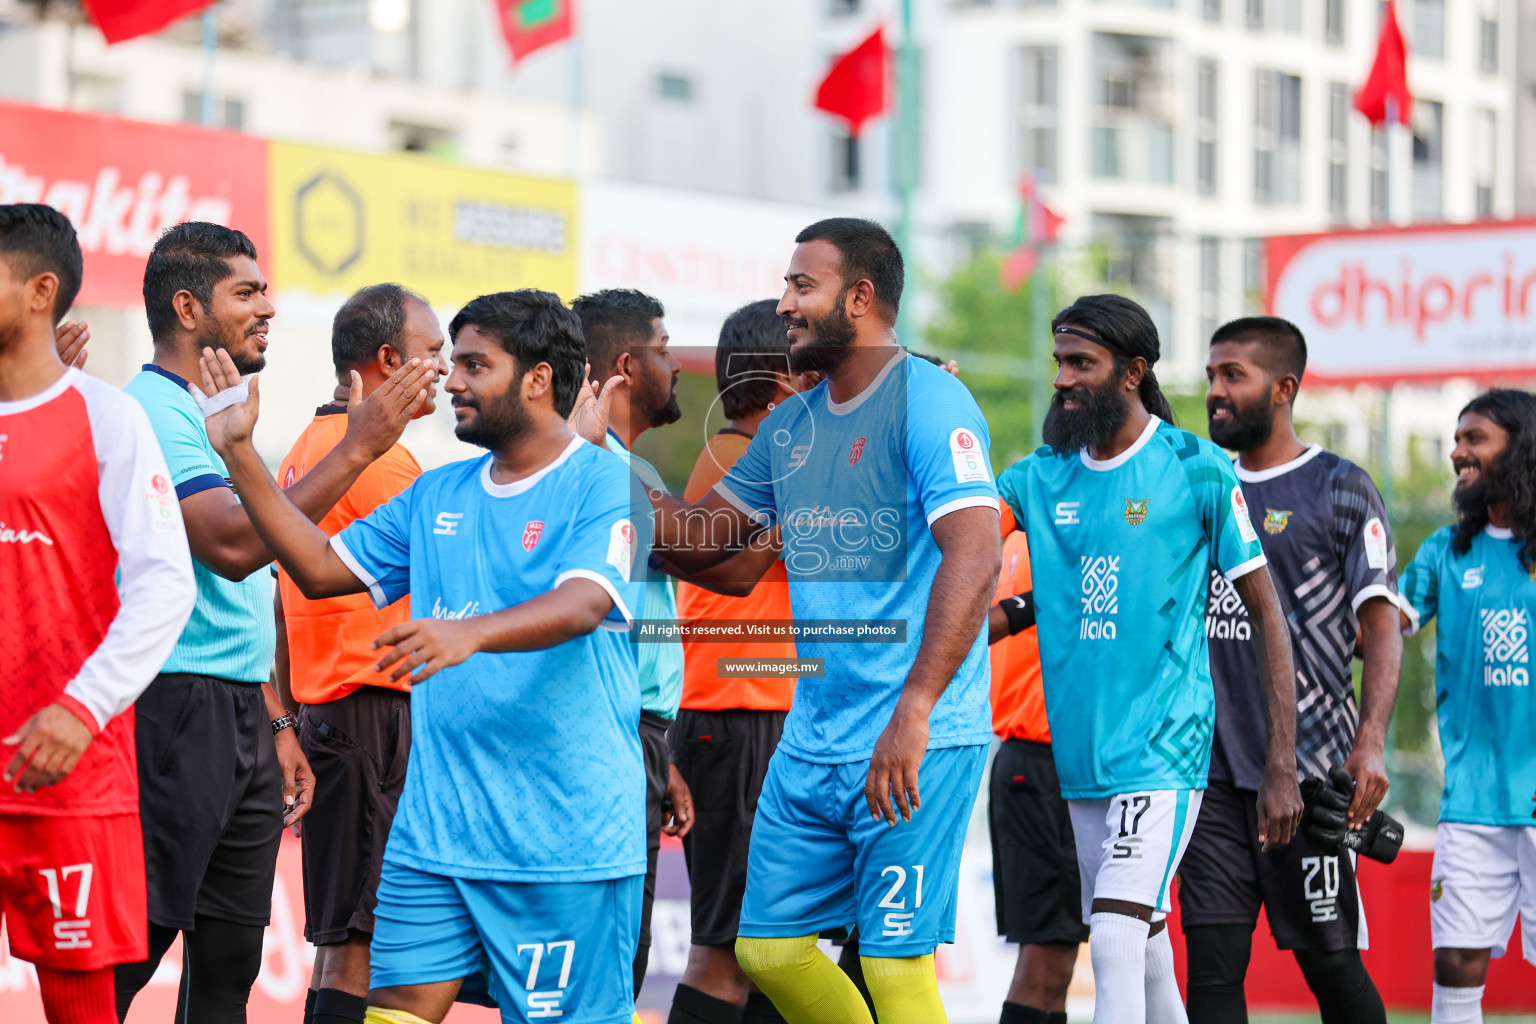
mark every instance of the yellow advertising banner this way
{"type": "Point", "coordinates": [342, 220]}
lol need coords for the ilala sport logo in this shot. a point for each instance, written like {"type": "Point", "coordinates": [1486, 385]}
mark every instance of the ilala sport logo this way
{"type": "Point", "coordinates": [1226, 617]}
{"type": "Point", "coordinates": [1506, 647]}
{"type": "Point", "coordinates": [1101, 583]}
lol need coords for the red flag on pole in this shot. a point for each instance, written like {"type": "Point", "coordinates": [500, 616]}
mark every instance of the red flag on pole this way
{"type": "Point", "coordinates": [857, 86]}
{"type": "Point", "coordinates": [530, 25]}
{"type": "Point", "coordinates": [1036, 224]}
{"type": "Point", "coordinates": [1385, 96]}
{"type": "Point", "coordinates": [125, 19]}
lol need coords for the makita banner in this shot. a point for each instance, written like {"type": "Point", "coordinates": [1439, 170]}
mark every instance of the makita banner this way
{"type": "Point", "coordinates": [1402, 304]}
{"type": "Point", "coordinates": [123, 182]}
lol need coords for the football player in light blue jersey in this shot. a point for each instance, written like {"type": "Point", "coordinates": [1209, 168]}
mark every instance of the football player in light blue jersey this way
{"type": "Point", "coordinates": [1126, 514]}
{"type": "Point", "coordinates": [514, 868]}
{"type": "Point", "coordinates": [1478, 578]}
{"type": "Point", "coordinates": [880, 481]}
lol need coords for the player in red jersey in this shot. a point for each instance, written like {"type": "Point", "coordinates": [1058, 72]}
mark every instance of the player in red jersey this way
{"type": "Point", "coordinates": [84, 497]}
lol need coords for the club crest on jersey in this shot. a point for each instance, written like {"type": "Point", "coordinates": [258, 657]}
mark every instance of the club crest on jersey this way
{"type": "Point", "coordinates": [1276, 520]}
{"type": "Point", "coordinates": [1436, 890]}
{"type": "Point", "coordinates": [1136, 511]}
{"type": "Point", "coordinates": [531, 534]}
{"type": "Point", "coordinates": [856, 451]}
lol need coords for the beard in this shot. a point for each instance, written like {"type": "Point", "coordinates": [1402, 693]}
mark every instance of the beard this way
{"type": "Point", "coordinates": [246, 361]}
{"type": "Point", "coordinates": [828, 349]}
{"type": "Point", "coordinates": [1472, 499]}
{"type": "Point", "coordinates": [669, 411]}
{"type": "Point", "coordinates": [1248, 428]}
{"type": "Point", "coordinates": [495, 424]}
{"type": "Point", "coordinates": [1101, 414]}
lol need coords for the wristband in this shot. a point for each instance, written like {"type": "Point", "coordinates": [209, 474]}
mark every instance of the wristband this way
{"type": "Point", "coordinates": [1019, 610]}
{"type": "Point", "coordinates": [286, 721]}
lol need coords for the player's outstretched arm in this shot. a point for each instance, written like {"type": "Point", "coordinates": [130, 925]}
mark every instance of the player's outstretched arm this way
{"type": "Point", "coordinates": [738, 574]}
{"type": "Point", "coordinates": [1381, 646]}
{"type": "Point", "coordinates": [957, 612]}
{"type": "Point", "coordinates": [222, 535]}
{"type": "Point", "coordinates": [1010, 615]}
{"type": "Point", "coordinates": [297, 544]}
{"type": "Point", "coordinates": [1279, 801]}
{"type": "Point", "coordinates": [421, 648]}
{"type": "Point", "coordinates": [698, 537]}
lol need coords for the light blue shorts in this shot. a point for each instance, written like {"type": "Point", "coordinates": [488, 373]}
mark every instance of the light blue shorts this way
{"type": "Point", "coordinates": [539, 950]}
{"type": "Point", "coordinates": [818, 861]}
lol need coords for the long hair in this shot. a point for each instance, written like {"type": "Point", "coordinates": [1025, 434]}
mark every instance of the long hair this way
{"type": "Point", "coordinates": [1127, 328]}
{"type": "Point", "coordinates": [1511, 477]}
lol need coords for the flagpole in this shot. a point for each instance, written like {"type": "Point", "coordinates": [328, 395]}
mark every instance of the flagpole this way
{"type": "Point", "coordinates": [1039, 326]}
{"type": "Point", "coordinates": [906, 158]}
{"type": "Point", "coordinates": [210, 47]}
{"type": "Point", "coordinates": [573, 109]}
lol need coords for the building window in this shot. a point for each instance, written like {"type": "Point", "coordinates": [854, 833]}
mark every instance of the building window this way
{"type": "Point", "coordinates": [1210, 286]}
{"type": "Point", "coordinates": [1255, 13]}
{"type": "Point", "coordinates": [227, 113]}
{"type": "Point", "coordinates": [1428, 158]}
{"type": "Point", "coordinates": [1488, 45]}
{"type": "Point", "coordinates": [1132, 126]}
{"type": "Point", "coordinates": [1038, 111]}
{"type": "Point", "coordinates": [1429, 28]}
{"type": "Point", "coordinates": [1333, 22]}
{"type": "Point", "coordinates": [1290, 15]}
{"type": "Point", "coordinates": [845, 162]}
{"type": "Point", "coordinates": [1380, 201]}
{"type": "Point", "coordinates": [1485, 160]}
{"type": "Point", "coordinates": [1338, 151]}
{"type": "Point", "coordinates": [671, 86]}
{"type": "Point", "coordinates": [1211, 9]}
{"type": "Point", "coordinates": [422, 138]}
{"type": "Point", "coordinates": [841, 7]}
{"type": "Point", "coordinates": [1206, 75]}
{"type": "Point", "coordinates": [1277, 138]}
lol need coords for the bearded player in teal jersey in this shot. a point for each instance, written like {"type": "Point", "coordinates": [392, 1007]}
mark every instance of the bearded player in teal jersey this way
{"type": "Point", "coordinates": [1478, 578]}
{"type": "Point", "coordinates": [1126, 515]}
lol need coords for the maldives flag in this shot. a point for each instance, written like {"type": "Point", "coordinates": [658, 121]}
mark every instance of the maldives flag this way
{"type": "Point", "coordinates": [125, 19]}
{"type": "Point", "coordinates": [1387, 84]}
{"type": "Point", "coordinates": [530, 25]}
{"type": "Point", "coordinates": [1035, 225]}
{"type": "Point", "coordinates": [857, 87]}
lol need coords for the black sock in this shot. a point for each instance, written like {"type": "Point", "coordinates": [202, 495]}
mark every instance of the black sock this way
{"type": "Point", "coordinates": [1216, 964]}
{"type": "Point", "coordinates": [333, 1006]}
{"type": "Point", "coordinates": [760, 1010]}
{"type": "Point", "coordinates": [309, 1007]}
{"type": "Point", "coordinates": [1058, 1017]}
{"type": "Point", "coordinates": [1018, 1013]}
{"type": "Point", "coordinates": [691, 1006]}
{"type": "Point", "coordinates": [130, 978]}
{"type": "Point", "coordinates": [642, 960]}
{"type": "Point", "coordinates": [1343, 987]}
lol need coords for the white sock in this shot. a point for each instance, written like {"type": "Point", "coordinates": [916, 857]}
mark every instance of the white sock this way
{"type": "Point", "coordinates": [1163, 1003]}
{"type": "Point", "coordinates": [1118, 944]}
{"type": "Point", "coordinates": [1456, 1005]}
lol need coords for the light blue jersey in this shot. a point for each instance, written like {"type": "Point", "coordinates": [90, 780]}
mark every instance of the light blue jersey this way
{"type": "Point", "coordinates": [856, 487]}
{"type": "Point", "coordinates": [661, 664]}
{"type": "Point", "coordinates": [1121, 551]}
{"type": "Point", "coordinates": [1485, 602]}
{"type": "Point", "coordinates": [231, 634]}
{"type": "Point", "coordinates": [525, 767]}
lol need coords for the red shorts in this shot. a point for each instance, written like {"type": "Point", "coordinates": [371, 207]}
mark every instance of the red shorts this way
{"type": "Point", "coordinates": [72, 890]}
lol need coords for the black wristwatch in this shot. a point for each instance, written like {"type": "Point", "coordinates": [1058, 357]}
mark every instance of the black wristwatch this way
{"type": "Point", "coordinates": [287, 721]}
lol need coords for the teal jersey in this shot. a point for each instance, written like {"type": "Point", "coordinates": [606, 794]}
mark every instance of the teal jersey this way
{"type": "Point", "coordinates": [1121, 551]}
{"type": "Point", "coordinates": [232, 633]}
{"type": "Point", "coordinates": [1485, 602]}
{"type": "Point", "coordinates": [661, 663]}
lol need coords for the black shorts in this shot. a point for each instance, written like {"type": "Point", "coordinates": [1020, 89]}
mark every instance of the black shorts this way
{"type": "Point", "coordinates": [1034, 862]}
{"type": "Point", "coordinates": [357, 746]}
{"type": "Point", "coordinates": [723, 756]}
{"type": "Point", "coordinates": [210, 799]}
{"type": "Point", "coordinates": [658, 771]}
{"type": "Point", "coordinates": [1309, 897]}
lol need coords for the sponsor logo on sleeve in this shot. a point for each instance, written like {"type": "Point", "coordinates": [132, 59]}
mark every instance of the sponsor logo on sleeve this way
{"type": "Point", "coordinates": [1375, 544]}
{"type": "Point", "coordinates": [531, 534]}
{"type": "Point", "coordinates": [970, 461]}
{"type": "Point", "coordinates": [621, 548]}
{"type": "Point", "coordinates": [162, 501]}
{"type": "Point", "coordinates": [1240, 515]}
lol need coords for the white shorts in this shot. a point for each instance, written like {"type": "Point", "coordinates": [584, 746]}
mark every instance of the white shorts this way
{"type": "Point", "coordinates": [1130, 845]}
{"type": "Point", "coordinates": [1484, 876]}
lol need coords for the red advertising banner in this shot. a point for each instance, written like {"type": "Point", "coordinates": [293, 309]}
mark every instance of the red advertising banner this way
{"type": "Point", "coordinates": [123, 182]}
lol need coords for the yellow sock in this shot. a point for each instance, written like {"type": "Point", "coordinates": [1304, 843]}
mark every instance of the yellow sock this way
{"type": "Point", "coordinates": [806, 986]}
{"type": "Point", "coordinates": [905, 989]}
{"type": "Point", "coordinates": [383, 1015]}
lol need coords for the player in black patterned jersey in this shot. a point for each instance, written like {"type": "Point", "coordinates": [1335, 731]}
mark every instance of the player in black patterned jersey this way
{"type": "Point", "coordinates": [1325, 533]}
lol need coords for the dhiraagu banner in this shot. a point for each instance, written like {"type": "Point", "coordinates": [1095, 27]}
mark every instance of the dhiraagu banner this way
{"type": "Point", "coordinates": [342, 220]}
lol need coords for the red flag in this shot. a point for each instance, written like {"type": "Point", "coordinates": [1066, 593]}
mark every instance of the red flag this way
{"type": "Point", "coordinates": [530, 25]}
{"type": "Point", "coordinates": [1387, 84]}
{"type": "Point", "coordinates": [125, 19]}
{"type": "Point", "coordinates": [857, 87]}
{"type": "Point", "coordinates": [1035, 225]}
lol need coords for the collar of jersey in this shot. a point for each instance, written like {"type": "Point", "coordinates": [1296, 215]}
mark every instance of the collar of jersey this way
{"type": "Point", "coordinates": [844, 408]}
{"type": "Point", "coordinates": [1258, 476]}
{"type": "Point", "coordinates": [517, 487]}
{"type": "Point", "coordinates": [1499, 532]}
{"type": "Point", "coordinates": [174, 378]}
{"type": "Point", "coordinates": [43, 397]}
{"type": "Point", "coordinates": [1125, 456]}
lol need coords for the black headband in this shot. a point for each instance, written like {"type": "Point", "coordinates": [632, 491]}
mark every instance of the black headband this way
{"type": "Point", "coordinates": [1105, 342]}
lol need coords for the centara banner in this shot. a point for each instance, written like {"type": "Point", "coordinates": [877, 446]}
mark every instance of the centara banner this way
{"type": "Point", "coordinates": [123, 182]}
{"type": "Point", "coordinates": [1404, 304]}
{"type": "Point", "coordinates": [343, 220]}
